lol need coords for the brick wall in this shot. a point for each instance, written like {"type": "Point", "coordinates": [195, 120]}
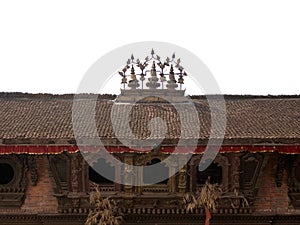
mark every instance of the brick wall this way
{"type": "Point", "coordinates": [271, 198]}
{"type": "Point", "coordinates": [40, 198]}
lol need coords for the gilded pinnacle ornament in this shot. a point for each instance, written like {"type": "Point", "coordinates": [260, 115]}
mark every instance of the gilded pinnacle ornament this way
{"type": "Point", "coordinates": [133, 76]}
{"type": "Point", "coordinates": [153, 84]}
{"type": "Point", "coordinates": [172, 81]}
{"type": "Point", "coordinates": [133, 83]}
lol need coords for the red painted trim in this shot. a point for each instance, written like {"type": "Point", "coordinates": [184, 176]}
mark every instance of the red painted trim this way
{"type": "Point", "coordinates": [290, 149]}
{"type": "Point", "coordinates": [49, 149]}
{"type": "Point", "coordinates": [20, 149]}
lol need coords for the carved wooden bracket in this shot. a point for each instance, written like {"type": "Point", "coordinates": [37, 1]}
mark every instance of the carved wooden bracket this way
{"type": "Point", "coordinates": [279, 170]}
{"type": "Point", "coordinates": [294, 180]}
{"type": "Point", "coordinates": [33, 169]}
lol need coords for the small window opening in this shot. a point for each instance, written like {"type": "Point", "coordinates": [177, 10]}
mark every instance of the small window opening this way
{"type": "Point", "coordinates": [213, 171]}
{"type": "Point", "coordinates": [101, 165]}
{"type": "Point", "coordinates": [6, 173]}
{"type": "Point", "coordinates": [161, 171]}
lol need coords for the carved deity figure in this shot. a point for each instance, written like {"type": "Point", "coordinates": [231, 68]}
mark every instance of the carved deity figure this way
{"type": "Point", "coordinates": [182, 180]}
{"type": "Point", "coordinates": [128, 174]}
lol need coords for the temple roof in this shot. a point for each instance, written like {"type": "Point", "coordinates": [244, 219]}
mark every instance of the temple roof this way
{"type": "Point", "coordinates": [47, 119]}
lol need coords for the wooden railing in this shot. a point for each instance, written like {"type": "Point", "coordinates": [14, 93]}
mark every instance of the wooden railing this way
{"type": "Point", "coordinates": [157, 188]}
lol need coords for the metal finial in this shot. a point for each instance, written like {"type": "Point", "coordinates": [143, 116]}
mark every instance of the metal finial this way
{"type": "Point", "coordinates": [167, 60]}
{"type": "Point", "coordinates": [172, 69]}
{"type": "Point", "coordinates": [172, 81]}
{"type": "Point", "coordinates": [173, 56]}
{"type": "Point", "coordinates": [124, 80]}
{"type": "Point", "coordinates": [172, 75]}
{"type": "Point", "coordinates": [153, 69]}
{"type": "Point", "coordinates": [133, 76]}
{"type": "Point", "coordinates": [152, 52]}
{"type": "Point", "coordinates": [132, 57]}
{"type": "Point", "coordinates": [180, 79]}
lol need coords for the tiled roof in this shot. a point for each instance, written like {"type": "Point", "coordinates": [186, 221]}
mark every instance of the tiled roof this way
{"type": "Point", "coordinates": [33, 119]}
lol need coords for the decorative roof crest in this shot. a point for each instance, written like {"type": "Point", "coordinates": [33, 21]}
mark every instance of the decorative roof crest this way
{"type": "Point", "coordinates": [165, 74]}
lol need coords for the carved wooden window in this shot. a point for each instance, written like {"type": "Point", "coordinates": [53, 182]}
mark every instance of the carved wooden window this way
{"type": "Point", "coordinates": [160, 170]}
{"type": "Point", "coordinates": [217, 171]}
{"type": "Point", "coordinates": [213, 172]}
{"type": "Point", "coordinates": [69, 174]}
{"type": "Point", "coordinates": [12, 180]}
{"type": "Point", "coordinates": [61, 172]}
{"type": "Point", "coordinates": [95, 177]}
{"type": "Point", "coordinates": [297, 173]}
{"type": "Point", "coordinates": [294, 182]}
{"type": "Point", "coordinates": [147, 176]}
{"type": "Point", "coordinates": [251, 167]}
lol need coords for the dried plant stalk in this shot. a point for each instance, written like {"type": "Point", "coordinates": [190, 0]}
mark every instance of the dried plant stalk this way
{"type": "Point", "coordinates": [104, 212]}
{"type": "Point", "coordinates": [207, 197]}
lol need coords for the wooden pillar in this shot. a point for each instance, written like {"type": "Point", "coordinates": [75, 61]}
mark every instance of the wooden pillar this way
{"type": "Point", "coordinates": [182, 180]}
{"type": "Point", "coordinates": [235, 172]}
{"type": "Point", "coordinates": [128, 175]}
{"type": "Point", "coordinates": [140, 180]}
{"type": "Point", "coordinates": [172, 163]}
{"type": "Point", "coordinates": [172, 179]}
{"type": "Point", "coordinates": [193, 167]}
{"type": "Point", "coordinates": [118, 177]}
{"type": "Point", "coordinates": [182, 175]}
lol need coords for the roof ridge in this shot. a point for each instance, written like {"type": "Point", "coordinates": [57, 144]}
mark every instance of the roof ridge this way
{"type": "Point", "coordinates": [50, 96]}
{"type": "Point", "coordinates": [239, 97]}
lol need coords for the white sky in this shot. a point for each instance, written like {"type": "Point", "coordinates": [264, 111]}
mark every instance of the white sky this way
{"type": "Point", "coordinates": [251, 47]}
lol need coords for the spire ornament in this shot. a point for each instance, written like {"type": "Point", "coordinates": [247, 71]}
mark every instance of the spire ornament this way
{"type": "Point", "coordinates": [158, 74]}
{"type": "Point", "coordinates": [172, 81]}
{"type": "Point", "coordinates": [153, 80]}
{"type": "Point", "coordinates": [133, 83]}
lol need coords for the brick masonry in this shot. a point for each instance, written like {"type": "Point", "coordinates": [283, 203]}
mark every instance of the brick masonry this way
{"type": "Point", "coordinates": [40, 198]}
{"type": "Point", "coordinates": [270, 198]}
